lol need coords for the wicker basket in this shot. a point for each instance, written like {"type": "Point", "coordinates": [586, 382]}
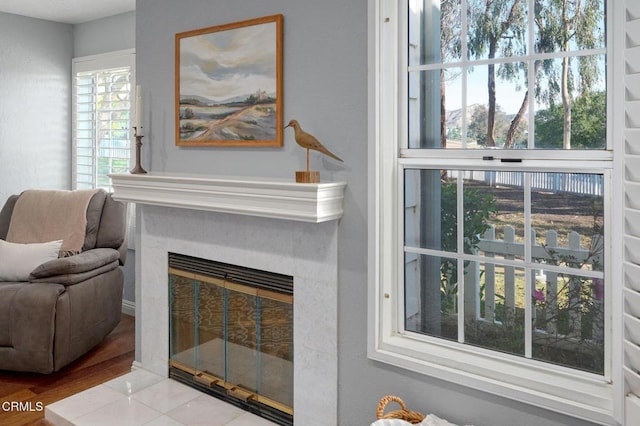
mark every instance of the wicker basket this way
{"type": "Point", "coordinates": [412, 417]}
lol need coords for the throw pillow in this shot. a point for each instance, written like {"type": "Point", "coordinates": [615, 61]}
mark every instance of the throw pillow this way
{"type": "Point", "coordinates": [18, 260]}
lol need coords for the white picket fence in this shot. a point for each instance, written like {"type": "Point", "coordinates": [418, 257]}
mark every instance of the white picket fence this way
{"type": "Point", "coordinates": [558, 289]}
{"type": "Point", "coordinates": [574, 183]}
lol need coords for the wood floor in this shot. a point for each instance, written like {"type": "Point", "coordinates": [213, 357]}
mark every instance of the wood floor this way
{"type": "Point", "coordinates": [110, 359]}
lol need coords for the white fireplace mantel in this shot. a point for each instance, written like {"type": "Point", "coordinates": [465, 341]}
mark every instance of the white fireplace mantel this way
{"type": "Point", "coordinates": [230, 220]}
{"type": "Point", "coordinates": [278, 199]}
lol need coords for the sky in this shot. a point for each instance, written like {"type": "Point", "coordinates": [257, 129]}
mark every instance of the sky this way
{"type": "Point", "coordinates": [509, 94]}
{"type": "Point", "coordinates": [226, 64]}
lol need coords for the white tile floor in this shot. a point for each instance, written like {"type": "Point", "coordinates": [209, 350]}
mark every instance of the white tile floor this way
{"type": "Point", "coordinates": [144, 398]}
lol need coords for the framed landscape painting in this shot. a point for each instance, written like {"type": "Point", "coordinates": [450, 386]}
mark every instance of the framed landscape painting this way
{"type": "Point", "coordinates": [228, 83]}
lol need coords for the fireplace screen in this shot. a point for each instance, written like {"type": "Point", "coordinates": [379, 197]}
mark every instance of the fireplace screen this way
{"type": "Point", "coordinates": [231, 334]}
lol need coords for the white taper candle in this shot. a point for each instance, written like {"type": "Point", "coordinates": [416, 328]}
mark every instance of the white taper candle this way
{"type": "Point", "coordinates": [138, 119]}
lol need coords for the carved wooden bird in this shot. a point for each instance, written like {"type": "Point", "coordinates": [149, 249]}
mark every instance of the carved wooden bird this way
{"type": "Point", "coordinates": [308, 141]}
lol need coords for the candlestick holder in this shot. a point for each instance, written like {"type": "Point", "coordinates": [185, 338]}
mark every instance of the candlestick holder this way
{"type": "Point", "coordinates": [138, 167]}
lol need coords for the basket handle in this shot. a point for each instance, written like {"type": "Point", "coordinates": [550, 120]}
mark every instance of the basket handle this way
{"type": "Point", "coordinates": [385, 401]}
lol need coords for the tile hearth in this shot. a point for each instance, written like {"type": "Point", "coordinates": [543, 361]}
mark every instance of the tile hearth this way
{"type": "Point", "coordinates": [145, 398]}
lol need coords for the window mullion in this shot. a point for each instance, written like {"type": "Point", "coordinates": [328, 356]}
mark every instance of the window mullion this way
{"type": "Point", "coordinates": [531, 79]}
{"type": "Point", "coordinates": [460, 260]}
{"type": "Point", "coordinates": [465, 63]}
{"type": "Point", "coordinates": [528, 275]}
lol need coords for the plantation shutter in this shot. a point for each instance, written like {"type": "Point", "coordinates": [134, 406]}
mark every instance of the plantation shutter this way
{"type": "Point", "coordinates": [632, 216]}
{"type": "Point", "coordinates": [102, 104]}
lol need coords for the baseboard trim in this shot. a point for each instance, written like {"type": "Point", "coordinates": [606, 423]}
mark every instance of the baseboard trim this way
{"type": "Point", "coordinates": [129, 308]}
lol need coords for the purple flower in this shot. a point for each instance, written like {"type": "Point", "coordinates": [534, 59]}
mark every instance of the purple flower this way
{"type": "Point", "coordinates": [598, 289]}
{"type": "Point", "coordinates": [538, 295]}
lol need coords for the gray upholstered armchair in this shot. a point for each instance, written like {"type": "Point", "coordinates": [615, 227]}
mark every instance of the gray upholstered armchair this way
{"type": "Point", "coordinates": [67, 305]}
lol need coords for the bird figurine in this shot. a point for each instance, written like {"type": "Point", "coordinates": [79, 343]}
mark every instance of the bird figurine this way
{"type": "Point", "coordinates": [308, 141]}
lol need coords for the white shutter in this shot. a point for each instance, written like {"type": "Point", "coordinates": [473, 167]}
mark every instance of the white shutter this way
{"type": "Point", "coordinates": [102, 125]}
{"type": "Point", "coordinates": [84, 131]}
{"type": "Point", "coordinates": [103, 102]}
{"type": "Point", "coordinates": [632, 215]}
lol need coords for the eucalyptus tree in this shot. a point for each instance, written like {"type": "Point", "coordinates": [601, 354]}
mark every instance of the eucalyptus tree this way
{"type": "Point", "coordinates": [450, 47]}
{"type": "Point", "coordinates": [565, 26]}
{"type": "Point", "coordinates": [497, 28]}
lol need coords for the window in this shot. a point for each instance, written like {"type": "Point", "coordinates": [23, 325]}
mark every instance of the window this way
{"type": "Point", "coordinates": [494, 165]}
{"type": "Point", "coordinates": [102, 104]}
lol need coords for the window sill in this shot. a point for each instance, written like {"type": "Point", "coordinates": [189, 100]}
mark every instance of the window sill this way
{"type": "Point", "coordinates": [576, 394]}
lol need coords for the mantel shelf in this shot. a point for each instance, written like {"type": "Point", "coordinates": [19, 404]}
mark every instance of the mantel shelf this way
{"type": "Point", "coordinates": [308, 202]}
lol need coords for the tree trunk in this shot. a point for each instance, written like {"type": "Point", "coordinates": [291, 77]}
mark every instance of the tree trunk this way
{"type": "Point", "coordinates": [515, 123]}
{"type": "Point", "coordinates": [566, 104]}
{"type": "Point", "coordinates": [491, 83]}
{"type": "Point", "coordinates": [566, 96]}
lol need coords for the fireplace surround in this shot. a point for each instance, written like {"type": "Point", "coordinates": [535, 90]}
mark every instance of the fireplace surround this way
{"type": "Point", "coordinates": [278, 226]}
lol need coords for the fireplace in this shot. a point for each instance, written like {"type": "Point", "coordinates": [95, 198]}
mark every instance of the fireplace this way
{"type": "Point", "coordinates": [231, 334]}
{"type": "Point", "coordinates": [278, 226]}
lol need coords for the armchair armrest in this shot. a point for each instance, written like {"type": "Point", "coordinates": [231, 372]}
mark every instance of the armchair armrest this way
{"type": "Point", "coordinates": [28, 327]}
{"type": "Point", "coordinates": [74, 269]}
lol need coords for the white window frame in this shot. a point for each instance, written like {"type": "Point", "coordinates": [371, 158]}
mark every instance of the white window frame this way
{"type": "Point", "coordinates": [117, 59]}
{"type": "Point", "coordinates": [555, 388]}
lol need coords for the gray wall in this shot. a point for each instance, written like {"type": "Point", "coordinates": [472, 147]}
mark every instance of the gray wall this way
{"type": "Point", "coordinates": [326, 89]}
{"type": "Point", "coordinates": [35, 93]}
{"type": "Point", "coordinates": [105, 35]}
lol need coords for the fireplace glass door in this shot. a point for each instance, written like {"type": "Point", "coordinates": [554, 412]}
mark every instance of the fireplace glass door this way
{"type": "Point", "coordinates": [233, 336]}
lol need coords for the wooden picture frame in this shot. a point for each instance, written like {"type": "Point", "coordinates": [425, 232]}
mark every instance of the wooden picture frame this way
{"type": "Point", "coordinates": [228, 84]}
